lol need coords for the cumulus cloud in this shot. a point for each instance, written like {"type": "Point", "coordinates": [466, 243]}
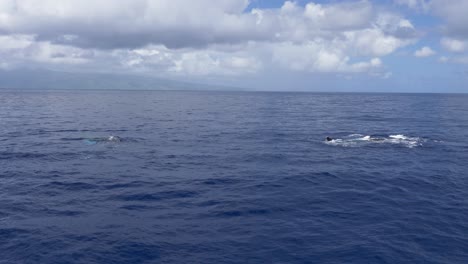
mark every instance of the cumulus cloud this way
{"type": "Point", "coordinates": [201, 37]}
{"type": "Point", "coordinates": [339, 16]}
{"type": "Point", "coordinates": [316, 57]}
{"type": "Point", "coordinates": [188, 62]}
{"type": "Point", "coordinates": [424, 52]}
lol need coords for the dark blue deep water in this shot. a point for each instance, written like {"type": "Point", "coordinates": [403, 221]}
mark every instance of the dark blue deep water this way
{"type": "Point", "coordinates": [232, 177]}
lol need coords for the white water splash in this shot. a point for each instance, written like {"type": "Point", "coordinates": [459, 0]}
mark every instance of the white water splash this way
{"type": "Point", "coordinates": [356, 140]}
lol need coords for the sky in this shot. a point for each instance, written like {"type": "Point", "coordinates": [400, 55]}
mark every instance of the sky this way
{"type": "Point", "coordinates": [378, 46]}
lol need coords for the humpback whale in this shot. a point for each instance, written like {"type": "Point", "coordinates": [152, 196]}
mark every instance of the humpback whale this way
{"type": "Point", "coordinates": [110, 139]}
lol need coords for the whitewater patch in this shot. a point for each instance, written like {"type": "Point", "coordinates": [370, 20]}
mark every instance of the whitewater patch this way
{"type": "Point", "coordinates": [356, 140]}
{"type": "Point", "coordinates": [96, 140]}
{"type": "Point", "coordinates": [110, 139]}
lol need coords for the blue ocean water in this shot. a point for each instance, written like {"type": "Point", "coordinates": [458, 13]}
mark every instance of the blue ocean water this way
{"type": "Point", "coordinates": [232, 177]}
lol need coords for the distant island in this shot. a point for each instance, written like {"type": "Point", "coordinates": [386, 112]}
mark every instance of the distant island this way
{"type": "Point", "coordinates": [40, 79]}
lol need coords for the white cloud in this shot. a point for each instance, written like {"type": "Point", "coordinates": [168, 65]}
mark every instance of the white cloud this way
{"type": "Point", "coordinates": [318, 57]}
{"type": "Point", "coordinates": [461, 59]}
{"type": "Point", "coordinates": [15, 42]}
{"type": "Point", "coordinates": [200, 63]}
{"type": "Point", "coordinates": [454, 45]}
{"type": "Point", "coordinates": [201, 37]}
{"type": "Point", "coordinates": [177, 23]}
{"type": "Point", "coordinates": [443, 59]}
{"type": "Point", "coordinates": [373, 42]}
{"type": "Point", "coordinates": [22, 48]}
{"type": "Point", "coordinates": [340, 16]}
{"type": "Point", "coordinates": [424, 52]}
{"type": "Point", "coordinates": [188, 61]}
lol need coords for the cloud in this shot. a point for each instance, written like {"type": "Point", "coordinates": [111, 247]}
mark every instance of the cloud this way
{"type": "Point", "coordinates": [424, 52]}
{"type": "Point", "coordinates": [373, 42]}
{"type": "Point", "coordinates": [201, 37]}
{"type": "Point", "coordinates": [340, 16]}
{"type": "Point", "coordinates": [176, 23]}
{"type": "Point", "coordinates": [453, 12]}
{"type": "Point", "coordinates": [443, 59]}
{"type": "Point", "coordinates": [420, 5]}
{"type": "Point", "coordinates": [131, 23]}
{"type": "Point", "coordinates": [454, 45]}
{"type": "Point", "coordinates": [17, 49]}
{"type": "Point", "coordinates": [317, 57]}
{"type": "Point", "coordinates": [463, 59]}
{"type": "Point", "coordinates": [454, 30]}
{"type": "Point", "coordinates": [15, 42]}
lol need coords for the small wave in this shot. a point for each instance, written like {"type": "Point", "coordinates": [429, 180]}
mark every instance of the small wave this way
{"type": "Point", "coordinates": [356, 140]}
{"type": "Point", "coordinates": [69, 186]}
{"type": "Point", "coordinates": [239, 213]}
{"type": "Point", "coordinates": [5, 155]}
{"type": "Point", "coordinates": [148, 197]}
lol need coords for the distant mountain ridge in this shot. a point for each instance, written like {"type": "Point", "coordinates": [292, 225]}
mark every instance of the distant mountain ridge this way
{"type": "Point", "coordinates": [47, 79]}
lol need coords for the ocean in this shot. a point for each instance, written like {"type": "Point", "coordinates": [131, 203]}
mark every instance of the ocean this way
{"type": "Point", "coordinates": [232, 177]}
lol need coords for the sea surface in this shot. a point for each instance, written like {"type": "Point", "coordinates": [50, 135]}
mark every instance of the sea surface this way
{"type": "Point", "coordinates": [232, 177]}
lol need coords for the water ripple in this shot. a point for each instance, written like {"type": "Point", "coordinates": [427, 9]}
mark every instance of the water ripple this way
{"type": "Point", "coordinates": [225, 177]}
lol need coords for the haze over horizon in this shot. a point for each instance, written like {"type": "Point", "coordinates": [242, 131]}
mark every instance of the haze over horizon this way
{"type": "Point", "coordinates": [373, 46]}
